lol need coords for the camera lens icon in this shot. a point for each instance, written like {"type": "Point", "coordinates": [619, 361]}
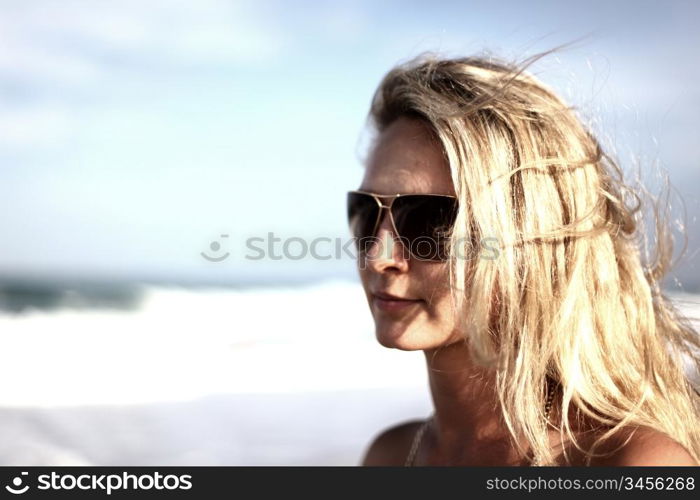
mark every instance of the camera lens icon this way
{"type": "Point", "coordinates": [17, 483]}
{"type": "Point", "coordinates": [215, 246]}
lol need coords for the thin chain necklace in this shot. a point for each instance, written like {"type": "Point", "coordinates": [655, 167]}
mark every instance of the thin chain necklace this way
{"type": "Point", "coordinates": [418, 437]}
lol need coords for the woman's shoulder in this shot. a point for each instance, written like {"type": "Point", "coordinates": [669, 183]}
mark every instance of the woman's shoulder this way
{"type": "Point", "coordinates": [644, 446]}
{"type": "Point", "coordinates": [649, 447]}
{"type": "Point", "coordinates": [391, 446]}
{"type": "Point", "coordinates": [631, 446]}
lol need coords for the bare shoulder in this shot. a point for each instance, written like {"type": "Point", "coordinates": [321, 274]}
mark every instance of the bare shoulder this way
{"type": "Point", "coordinates": [391, 446]}
{"type": "Point", "coordinates": [643, 446]}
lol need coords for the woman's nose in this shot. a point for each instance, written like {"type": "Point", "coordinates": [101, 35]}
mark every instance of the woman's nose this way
{"type": "Point", "coordinates": [387, 251]}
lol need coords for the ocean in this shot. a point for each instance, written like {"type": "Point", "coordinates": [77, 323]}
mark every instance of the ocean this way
{"type": "Point", "coordinates": [172, 375]}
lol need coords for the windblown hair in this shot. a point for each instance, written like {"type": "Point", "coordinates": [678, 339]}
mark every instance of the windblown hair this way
{"type": "Point", "coordinates": [570, 297]}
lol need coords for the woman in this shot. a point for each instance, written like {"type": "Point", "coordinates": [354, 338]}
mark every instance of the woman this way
{"type": "Point", "coordinates": [512, 260]}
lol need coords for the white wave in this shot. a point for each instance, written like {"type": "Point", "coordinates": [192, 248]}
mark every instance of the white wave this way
{"type": "Point", "coordinates": [183, 344]}
{"type": "Point", "coordinates": [285, 376]}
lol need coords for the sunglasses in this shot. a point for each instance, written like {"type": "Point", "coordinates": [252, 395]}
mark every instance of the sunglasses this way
{"type": "Point", "coordinates": [422, 222]}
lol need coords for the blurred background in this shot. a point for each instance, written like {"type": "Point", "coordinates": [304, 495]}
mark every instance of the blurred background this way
{"type": "Point", "coordinates": [162, 164]}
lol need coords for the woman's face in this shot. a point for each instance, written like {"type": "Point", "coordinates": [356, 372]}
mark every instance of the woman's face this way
{"type": "Point", "coordinates": [407, 159]}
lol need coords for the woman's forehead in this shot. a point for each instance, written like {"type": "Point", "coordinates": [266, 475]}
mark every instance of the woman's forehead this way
{"type": "Point", "coordinates": [406, 158]}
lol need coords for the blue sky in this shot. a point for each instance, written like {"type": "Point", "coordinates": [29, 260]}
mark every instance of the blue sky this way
{"type": "Point", "coordinates": [133, 134]}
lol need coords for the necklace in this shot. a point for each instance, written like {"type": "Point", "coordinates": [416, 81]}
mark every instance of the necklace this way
{"type": "Point", "coordinates": [418, 437]}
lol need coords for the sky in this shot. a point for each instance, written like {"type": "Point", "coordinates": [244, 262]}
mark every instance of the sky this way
{"type": "Point", "coordinates": [137, 135]}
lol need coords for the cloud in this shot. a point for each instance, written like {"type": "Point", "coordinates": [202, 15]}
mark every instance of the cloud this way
{"type": "Point", "coordinates": [75, 41]}
{"type": "Point", "coordinates": [34, 126]}
{"type": "Point", "coordinates": [60, 60]}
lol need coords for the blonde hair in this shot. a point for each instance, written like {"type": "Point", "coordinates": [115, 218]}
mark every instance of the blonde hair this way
{"type": "Point", "coordinates": [574, 300]}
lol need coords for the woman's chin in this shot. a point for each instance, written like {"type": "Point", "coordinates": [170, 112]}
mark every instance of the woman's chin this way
{"type": "Point", "coordinates": [404, 339]}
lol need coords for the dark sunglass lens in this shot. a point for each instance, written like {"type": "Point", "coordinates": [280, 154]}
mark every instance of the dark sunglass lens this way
{"type": "Point", "coordinates": [363, 210]}
{"type": "Point", "coordinates": [425, 222]}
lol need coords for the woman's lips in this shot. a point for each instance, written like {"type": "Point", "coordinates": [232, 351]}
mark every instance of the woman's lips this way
{"type": "Point", "coordinates": [392, 304]}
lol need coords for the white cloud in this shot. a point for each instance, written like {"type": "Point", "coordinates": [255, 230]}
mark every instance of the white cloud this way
{"type": "Point", "coordinates": [34, 126]}
{"type": "Point", "coordinates": [48, 48]}
{"type": "Point", "coordinates": [344, 22]}
{"type": "Point", "coordinates": [68, 41]}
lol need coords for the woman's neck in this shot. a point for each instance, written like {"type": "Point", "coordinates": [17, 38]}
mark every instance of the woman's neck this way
{"type": "Point", "coordinates": [466, 425]}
